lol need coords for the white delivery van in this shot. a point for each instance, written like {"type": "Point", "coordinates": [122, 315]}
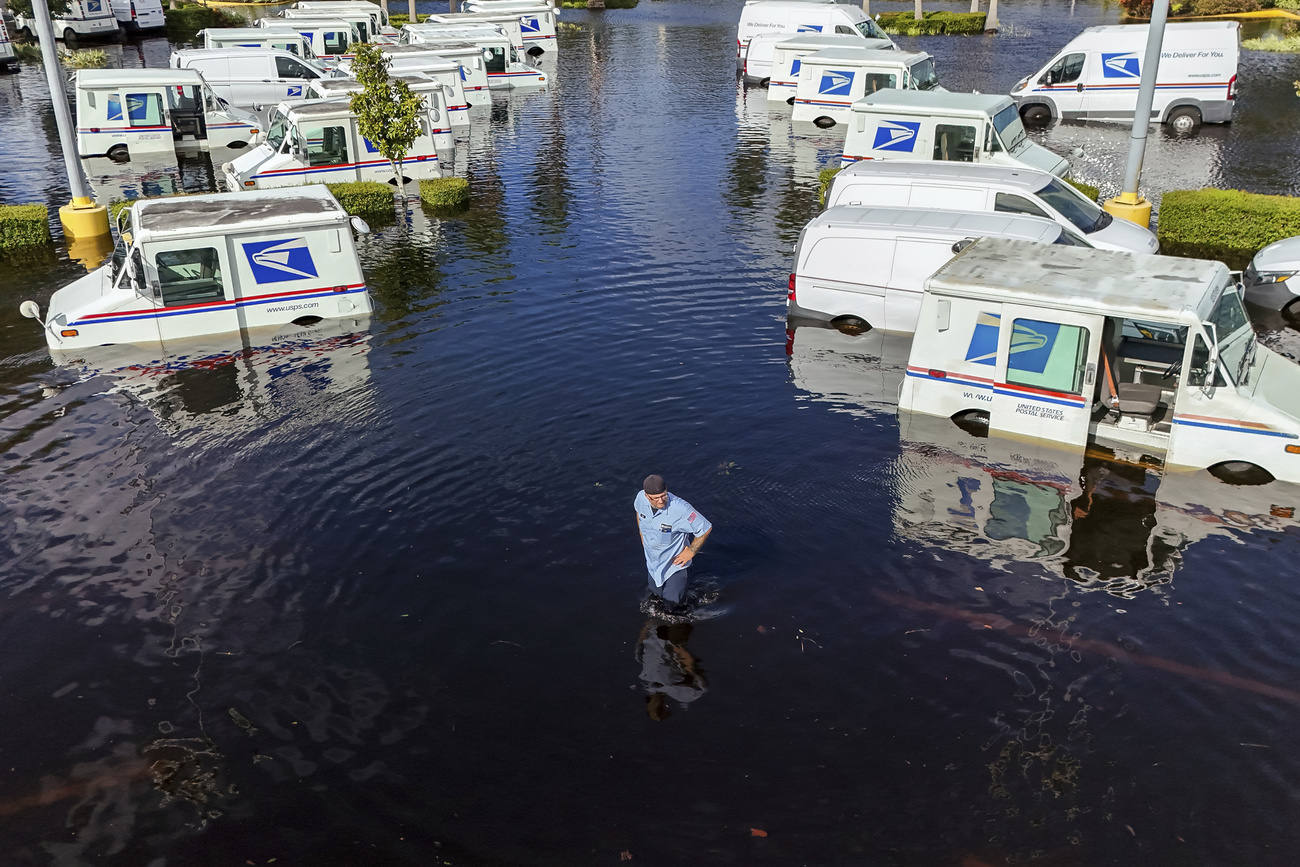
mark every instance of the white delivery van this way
{"type": "Point", "coordinates": [445, 79]}
{"type": "Point", "coordinates": [279, 38]}
{"type": "Point", "coordinates": [1096, 76]}
{"type": "Point", "coordinates": [123, 112]}
{"type": "Point", "coordinates": [84, 19]}
{"type": "Point", "coordinates": [359, 19]}
{"type": "Point", "coordinates": [507, 23]}
{"type": "Point", "coordinates": [317, 142]}
{"type": "Point", "coordinates": [139, 14]}
{"type": "Point", "coordinates": [8, 59]}
{"type": "Point", "coordinates": [866, 267]}
{"type": "Point", "coordinates": [378, 16]}
{"type": "Point", "coordinates": [251, 77]}
{"type": "Point", "coordinates": [986, 187]}
{"type": "Point", "coordinates": [502, 65]}
{"type": "Point", "coordinates": [211, 264]}
{"type": "Point", "coordinates": [832, 79]}
{"type": "Point", "coordinates": [1272, 279]}
{"type": "Point", "coordinates": [761, 54]}
{"type": "Point", "coordinates": [329, 37]}
{"type": "Point", "coordinates": [430, 57]}
{"type": "Point", "coordinates": [536, 20]}
{"type": "Point", "coordinates": [1148, 355]}
{"type": "Point", "coordinates": [787, 59]}
{"type": "Point", "coordinates": [802, 16]}
{"type": "Point", "coordinates": [956, 127]}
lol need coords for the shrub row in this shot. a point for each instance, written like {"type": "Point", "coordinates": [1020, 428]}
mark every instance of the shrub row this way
{"type": "Point", "coordinates": [824, 181]}
{"type": "Point", "coordinates": [24, 226]}
{"type": "Point", "coordinates": [444, 192]}
{"type": "Point", "coordinates": [1087, 189]}
{"type": "Point", "coordinates": [1228, 225]}
{"type": "Point", "coordinates": [192, 16]}
{"type": "Point", "coordinates": [1199, 8]}
{"type": "Point", "coordinates": [397, 19]}
{"type": "Point", "coordinates": [609, 4]}
{"type": "Point", "coordinates": [364, 197]}
{"type": "Point", "coordinates": [933, 24]}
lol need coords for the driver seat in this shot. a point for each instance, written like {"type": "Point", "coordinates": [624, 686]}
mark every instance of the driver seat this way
{"type": "Point", "coordinates": [1128, 398]}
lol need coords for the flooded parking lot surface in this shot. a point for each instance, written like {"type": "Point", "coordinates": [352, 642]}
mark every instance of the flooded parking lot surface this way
{"type": "Point", "coordinates": [370, 595]}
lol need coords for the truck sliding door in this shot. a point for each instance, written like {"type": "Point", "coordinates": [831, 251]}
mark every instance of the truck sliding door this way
{"type": "Point", "coordinates": [1046, 374]}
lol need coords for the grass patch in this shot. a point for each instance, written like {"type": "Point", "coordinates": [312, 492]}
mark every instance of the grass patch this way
{"type": "Point", "coordinates": [84, 58]}
{"type": "Point", "coordinates": [193, 17]}
{"type": "Point", "coordinates": [824, 179]}
{"type": "Point", "coordinates": [933, 24]}
{"type": "Point", "coordinates": [364, 197]}
{"type": "Point", "coordinates": [1228, 225]}
{"type": "Point", "coordinates": [1087, 189]}
{"type": "Point", "coordinates": [23, 226]}
{"type": "Point", "coordinates": [444, 192]}
{"type": "Point", "coordinates": [27, 52]}
{"type": "Point", "coordinates": [1284, 45]}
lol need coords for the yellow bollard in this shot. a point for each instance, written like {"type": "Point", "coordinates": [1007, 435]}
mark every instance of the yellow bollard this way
{"type": "Point", "coordinates": [82, 220]}
{"type": "Point", "coordinates": [1131, 207]}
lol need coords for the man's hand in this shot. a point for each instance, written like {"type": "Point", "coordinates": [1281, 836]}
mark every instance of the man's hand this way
{"type": "Point", "coordinates": [685, 557]}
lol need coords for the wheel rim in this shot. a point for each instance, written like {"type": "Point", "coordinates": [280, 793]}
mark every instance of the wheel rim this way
{"type": "Point", "coordinates": [1183, 123]}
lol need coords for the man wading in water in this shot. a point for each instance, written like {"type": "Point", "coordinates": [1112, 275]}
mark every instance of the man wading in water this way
{"type": "Point", "coordinates": [665, 523]}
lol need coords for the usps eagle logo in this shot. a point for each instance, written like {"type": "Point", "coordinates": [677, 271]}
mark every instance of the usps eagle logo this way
{"type": "Point", "coordinates": [1121, 65]}
{"type": "Point", "coordinates": [836, 83]}
{"type": "Point", "coordinates": [280, 261]}
{"type": "Point", "coordinates": [794, 67]}
{"type": "Point", "coordinates": [809, 28]}
{"type": "Point", "coordinates": [530, 25]}
{"type": "Point", "coordinates": [896, 135]}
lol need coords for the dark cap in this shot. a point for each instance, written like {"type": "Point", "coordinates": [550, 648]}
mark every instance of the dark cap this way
{"type": "Point", "coordinates": [654, 484]}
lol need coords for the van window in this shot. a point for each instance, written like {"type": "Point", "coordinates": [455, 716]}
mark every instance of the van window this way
{"type": "Point", "coordinates": [1010, 129]}
{"type": "Point", "coordinates": [495, 59]}
{"type": "Point", "coordinates": [326, 146]}
{"type": "Point", "coordinates": [291, 47]}
{"type": "Point", "coordinates": [1009, 203]}
{"type": "Point", "coordinates": [1074, 206]}
{"type": "Point", "coordinates": [336, 41]}
{"type": "Point", "coordinates": [287, 67]}
{"type": "Point", "coordinates": [184, 97]}
{"type": "Point", "coordinates": [954, 143]}
{"type": "Point", "coordinates": [144, 109]}
{"type": "Point", "coordinates": [275, 135]}
{"type": "Point", "coordinates": [923, 75]}
{"type": "Point", "coordinates": [845, 29]}
{"type": "Point", "coordinates": [189, 276]}
{"type": "Point", "coordinates": [870, 29]}
{"type": "Point", "coordinates": [361, 31]}
{"type": "Point", "coordinates": [1064, 71]}
{"type": "Point", "coordinates": [1069, 239]}
{"type": "Point", "coordinates": [1047, 355]}
{"type": "Point", "coordinates": [880, 81]}
{"type": "Point", "coordinates": [1199, 372]}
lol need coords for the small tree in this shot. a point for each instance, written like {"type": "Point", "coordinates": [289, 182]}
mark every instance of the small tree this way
{"type": "Point", "coordinates": [388, 113]}
{"type": "Point", "coordinates": [24, 7]}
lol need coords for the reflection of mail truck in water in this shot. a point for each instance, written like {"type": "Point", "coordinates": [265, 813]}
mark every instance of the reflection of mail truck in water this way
{"type": "Point", "coordinates": [934, 125]}
{"type": "Point", "coordinates": [1052, 343]}
{"type": "Point", "coordinates": [211, 264]}
{"type": "Point", "coordinates": [1096, 76]}
{"type": "Point", "coordinates": [832, 79]}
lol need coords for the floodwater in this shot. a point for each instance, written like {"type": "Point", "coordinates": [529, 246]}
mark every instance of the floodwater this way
{"type": "Point", "coordinates": [370, 594]}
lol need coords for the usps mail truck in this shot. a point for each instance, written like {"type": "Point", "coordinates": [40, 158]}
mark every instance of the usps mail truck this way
{"type": "Point", "coordinates": [951, 127]}
{"type": "Point", "coordinates": [761, 54]}
{"type": "Point", "coordinates": [508, 22]}
{"type": "Point", "coordinates": [1096, 76]}
{"type": "Point", "coordinates": [85, 19]}
{"type": "Point", "coordinates": [802, 16]}
{"type": "Point", "coordinates": [378, 16]}
{"type": "Point", "coordinates": [536, 20]}
{"type": "Point", "coordinates": [832, 79]}
{"type": "Point", "coordinates": [444, 78]}
{"type": "Point", "coordinates": [329, 38]}
{"type": "Point", "coordinates": [787, 59]}
{"type": "Point", "coordinates": [283, 38]}
{"type": "Point", "coordinates": [431, 57]}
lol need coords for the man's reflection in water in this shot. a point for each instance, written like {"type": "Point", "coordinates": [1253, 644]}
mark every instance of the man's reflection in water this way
{"type": "Point", "coordinates": [667, 668]}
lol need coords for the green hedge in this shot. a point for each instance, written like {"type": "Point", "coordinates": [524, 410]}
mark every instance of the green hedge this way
{"type": "Point", "coordinates": [444, 192]}
{"type": "Point", "coordinates": [397, 19]}
{"type": "Point", "coordinates": [824, 179]}
{"type": "Point", "coordinates": [1087, 189]}
{"type": "Point", "coordinates": [609, 4]}
{"type": "Point", "coordinates": [1228, 225]}
{"type": "Point", "coordinates": [24, 226]}
{"type": "Point", "coordinates": [192, 16]}
{"type": "Point", "coordinates": [933, 24]}
{"type": "Point", "coordinates": [364, 197]}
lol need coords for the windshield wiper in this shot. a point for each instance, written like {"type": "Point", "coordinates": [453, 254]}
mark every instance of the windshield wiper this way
{"type": "Point", "coordinates": [1247, 361]}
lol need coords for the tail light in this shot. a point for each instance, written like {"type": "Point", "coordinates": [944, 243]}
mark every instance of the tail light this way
{"type": "Point", "coordinates": [1232, 88]}
{"type": "Point", "coordinates": [790, 294]}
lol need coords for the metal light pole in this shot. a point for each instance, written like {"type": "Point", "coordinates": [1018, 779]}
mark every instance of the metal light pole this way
{"type": "Point", "coordinates": [82, 219]}
{"type": "Point", "coordinates": [1129, 205]}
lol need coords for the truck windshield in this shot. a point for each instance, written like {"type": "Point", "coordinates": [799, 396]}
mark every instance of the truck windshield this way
{"type": "Point", "coordinates": [279, 126]}
{"type": "Point", "coordinates": [1010, 129]}
{"type": "Point", "coordinates": [1069, 239]}
{"type": "Point", "coordinates": [1074, 207]}
{"type": "Point", "coordinates": [1236, 338]}
{"type": "Point", "coordinates": [871, 30]}
{"type": "Point", "coordinates": [923, 75]}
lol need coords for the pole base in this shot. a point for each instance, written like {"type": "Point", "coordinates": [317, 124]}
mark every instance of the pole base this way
{"type": "Point", "coordinates": [82, 219]}
{"type": "Point", "coordinates": [1131, 207]}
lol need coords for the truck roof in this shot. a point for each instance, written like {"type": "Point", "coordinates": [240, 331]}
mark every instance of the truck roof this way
{"type": "Point", "coordinates": [959, 224]}
{"type": "Point", "coordinates": [930, 101]}
{"type": "Point", "coordinates": [1078, 279]}
{"type": "Point", "coordinates": [1122, 37]}
{"type": "Point", "coordinates": [423, 48]}
{"type": "Point", "coordinates": [305, 23]}
{"type": "Point", "coordinates": [788, 2]}
{"type": "Point", "coordinates": [218, 213]}
{"type": "Point", "coordinates": [812, 40]}
{"type": "Point", "coordinates": [472, 17]}
{"type": "Point", "coordinates": [864, 56]}
{"type": "Point", "coordinates": [251, 32]}
{"type": "Point", "coordinates": [1022, 177]}
{"type": "Point", "coordinates": [163, 77]}
{"type": "Point", "coordinates": [310, 108]}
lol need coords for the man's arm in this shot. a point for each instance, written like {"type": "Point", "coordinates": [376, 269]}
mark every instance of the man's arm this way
{"type": "Point", "coordinates": [688, 553]}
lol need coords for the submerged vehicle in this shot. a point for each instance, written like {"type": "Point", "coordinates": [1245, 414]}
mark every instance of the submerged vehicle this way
{"type": "Point", "coordinates": [212, 264]}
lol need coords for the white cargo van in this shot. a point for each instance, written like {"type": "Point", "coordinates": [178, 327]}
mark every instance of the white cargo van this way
{"type": "Point", "coordinates": [1148, 355]}
{"type": "Point", "coordinates": [317, 142]}
{"type": "Point", "coordinates": [430, 57]}
{"type": "Point", "coordinates": [867, 266]}
{"type": "Point", "coordinates": [279, 38]}
{"type": "Point", "coordinates": [1096, 76]}
{"type": "Point", "coordinates": [84, 19]}
{"type": "Point", "coordinates": [139, 14]}
{"type": "Point", "coordinates": [787, 59]}
{"type": "Point", "coordinates": [359, 19]}
{"type": "Point", "coordinates": [985, 187]}
{"type": "Point", "coordinates": [329, 37]}
{"type": "Point", "coordinates": [832, 79]}
{"type": "Point", "coordinates": [193, 265]}
{"type": "Point", "coordinates": [536, 20]}
{"type": "Point", "coordinates": [123, 112]}
{"type": "Point", "coordinates": [507, 23]}
{"type": "Point", "coordinates": [956, 127]}
{"type": "Point", "coordinates": [444, 78]}
{"type": "Point", "coordinates": [251, 77]}
{"type": "Point", "coordinates": [502, 65]}
{"type": "Point", "coordinates": [378, 16]}
{"type": "Point", "coordinates": [802, 16]}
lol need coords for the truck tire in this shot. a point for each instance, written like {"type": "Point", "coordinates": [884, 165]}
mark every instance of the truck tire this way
{"type": "Point", "coordinates": [1036, 115]}
{"type": "Point", "coordinates": [118, 153]}
{"type": "Point", "coordinates": [237, 145]}
{"type": "Point", "coordinates": [824, 122]}
{"type": "Point", "coordinates": [851, 325]}
{"type": "Point", "coordinates": [1185, 119]}
{"type": "Point", "coordinates": [69, 35]}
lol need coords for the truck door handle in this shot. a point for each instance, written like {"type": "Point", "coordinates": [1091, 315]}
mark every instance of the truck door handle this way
{"type": "Point", "coordinates": [1079, 87]}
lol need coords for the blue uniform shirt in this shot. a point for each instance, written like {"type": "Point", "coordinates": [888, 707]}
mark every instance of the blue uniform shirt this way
{"type": "Point", "coordinates": [664, 533]}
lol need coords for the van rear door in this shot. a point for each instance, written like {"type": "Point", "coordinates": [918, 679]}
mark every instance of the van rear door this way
{"type": "Point", "coordinates": [1046, 372]}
